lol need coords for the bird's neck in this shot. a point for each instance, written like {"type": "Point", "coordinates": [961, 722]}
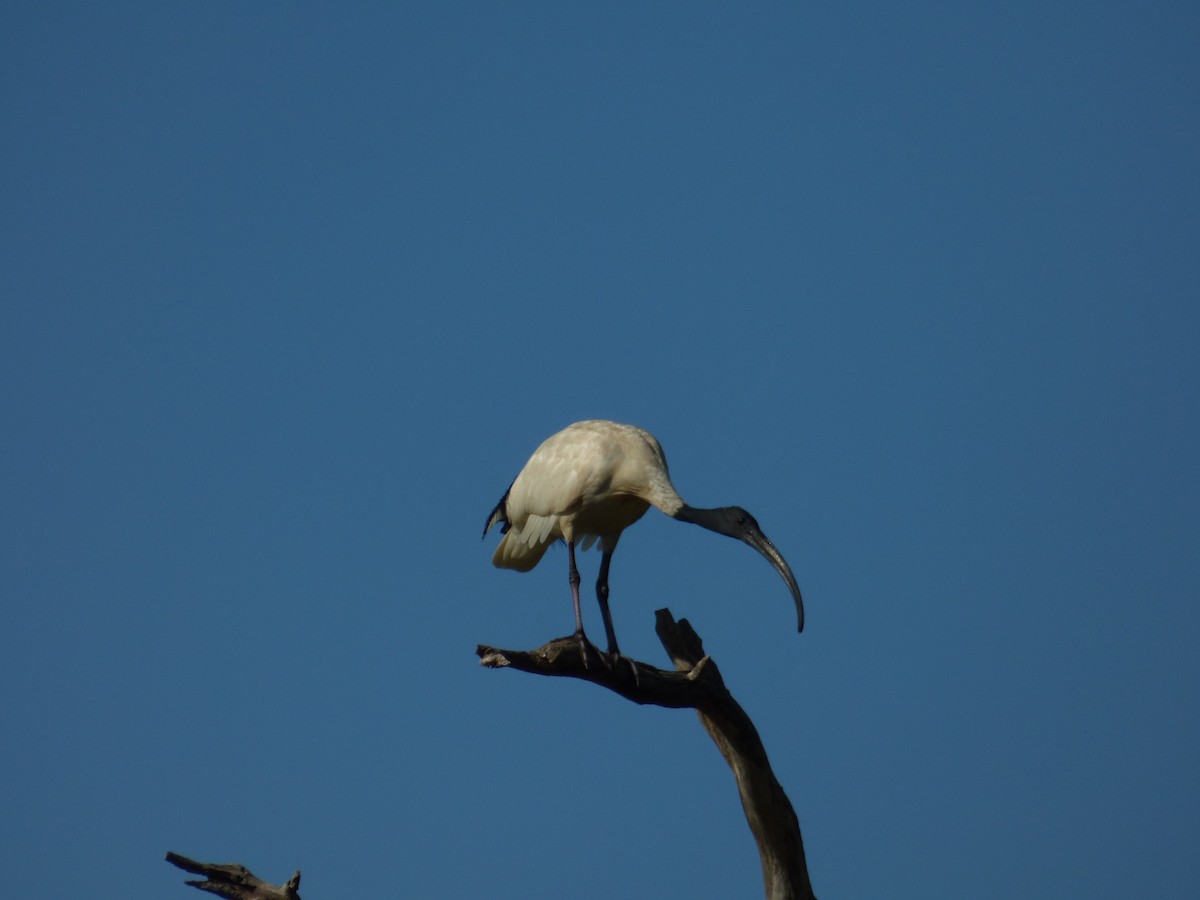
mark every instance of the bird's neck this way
{"type": "Point", "coordinates": [705, 518]}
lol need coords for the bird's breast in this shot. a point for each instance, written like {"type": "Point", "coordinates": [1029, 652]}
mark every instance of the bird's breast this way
{"type": "Point", "coordinates": [607, 516]}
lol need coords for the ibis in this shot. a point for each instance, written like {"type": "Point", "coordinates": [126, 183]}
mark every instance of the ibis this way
{"type": "Point", "coordinates": [587, 484]}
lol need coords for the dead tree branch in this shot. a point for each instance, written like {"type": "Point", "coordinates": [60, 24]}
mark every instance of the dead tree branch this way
{"type": "Point", "coordinates": [234, 881]}
{"type": "Point", "coordinates": [696, 683]}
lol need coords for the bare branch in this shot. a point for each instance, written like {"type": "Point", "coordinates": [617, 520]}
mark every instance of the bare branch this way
{"type": "Point", "coordinates": [636, 681]}
{"type": "Point", "coordinates": [697, 684]}
{"type": "Point", "coordinates": [235, 881]}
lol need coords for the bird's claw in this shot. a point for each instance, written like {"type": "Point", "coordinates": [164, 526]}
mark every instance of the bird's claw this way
{"type": "Point", "coordinates": [584, 647]}
{"type": "Point", "coordinates": [615, 658]}
{"type": "Point", "coordinates": [612, 658]}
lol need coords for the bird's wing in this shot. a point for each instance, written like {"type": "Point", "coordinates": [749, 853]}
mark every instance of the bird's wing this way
{"type": "Point", "coordinates": [522, 548]}
{"type": "Point", "coordinates": [552, 485]}
{"type": "Point", "coordinates": [565, 476]}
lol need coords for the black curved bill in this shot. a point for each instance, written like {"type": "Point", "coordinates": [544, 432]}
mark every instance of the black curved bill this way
{"type": "Point", "coordinates": [759, 542]}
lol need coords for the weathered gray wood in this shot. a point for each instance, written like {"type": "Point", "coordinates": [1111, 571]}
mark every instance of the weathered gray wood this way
{"type": "Point", "coordinates": [636, 681]}
{"type": "Point", "coordinates": [768, 811]}
{"type": "Point", "coordinates": [235, 881]}
{"type": "Point", "coordinates": [697, 684]}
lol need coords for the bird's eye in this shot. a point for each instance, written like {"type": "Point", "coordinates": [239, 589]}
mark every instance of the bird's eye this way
{"type": "Point", "coordinates": [741, 520]}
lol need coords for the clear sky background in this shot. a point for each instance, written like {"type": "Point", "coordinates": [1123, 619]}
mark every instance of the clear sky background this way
{"type": "Point", "coordinates": [292, 291]}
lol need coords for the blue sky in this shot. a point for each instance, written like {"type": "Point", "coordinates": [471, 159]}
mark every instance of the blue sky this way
{"type": "Point", "coordinates": [292, 291]}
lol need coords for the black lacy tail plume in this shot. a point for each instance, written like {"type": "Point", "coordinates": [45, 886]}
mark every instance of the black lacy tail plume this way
{"type": "Point", "coordinates": [499, 514]}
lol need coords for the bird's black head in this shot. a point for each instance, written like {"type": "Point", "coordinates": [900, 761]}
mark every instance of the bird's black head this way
{"type": "Point", "coordinates": [738, 523]}
{"type": "Point", "coordinates": [734, 522]}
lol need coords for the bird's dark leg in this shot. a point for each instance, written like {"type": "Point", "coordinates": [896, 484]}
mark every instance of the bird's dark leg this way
{"type": "Point", "coordinates": [602, 599]}
{"type": "Point", "coordinates": [614, 652]}
{"type": "Point", "coordinates": [574, 579]}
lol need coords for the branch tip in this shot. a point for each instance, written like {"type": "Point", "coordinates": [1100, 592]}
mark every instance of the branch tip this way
{"type": "Point", "coordinates": [699, 669]}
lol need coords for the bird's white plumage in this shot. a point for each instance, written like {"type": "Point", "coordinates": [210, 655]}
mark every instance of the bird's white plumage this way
{"type": "Point", "coordinates": [588, 482]}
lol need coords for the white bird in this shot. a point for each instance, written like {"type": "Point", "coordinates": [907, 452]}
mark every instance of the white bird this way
{"type": "Point", "coordinates": [588, 483]}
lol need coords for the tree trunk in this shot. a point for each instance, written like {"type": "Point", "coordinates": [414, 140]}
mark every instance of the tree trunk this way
{"type": "Point", "coordinates": [696, 684]}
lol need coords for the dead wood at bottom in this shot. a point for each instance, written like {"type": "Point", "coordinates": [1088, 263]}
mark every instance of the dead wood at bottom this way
{"type": "Point", "coordinates": [235, 881]}
{"type": "Point", "coordinates": [697, 684]}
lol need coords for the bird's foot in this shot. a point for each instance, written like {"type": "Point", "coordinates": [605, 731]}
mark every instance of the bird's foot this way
{"type": "Point", "coordinates": [586, 649]}
{"type": "Point", "coordinates": [615, 659]}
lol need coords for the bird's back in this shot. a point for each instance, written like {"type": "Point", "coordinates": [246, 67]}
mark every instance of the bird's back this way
{"type": "Point", "coordinates": [591, 480]}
